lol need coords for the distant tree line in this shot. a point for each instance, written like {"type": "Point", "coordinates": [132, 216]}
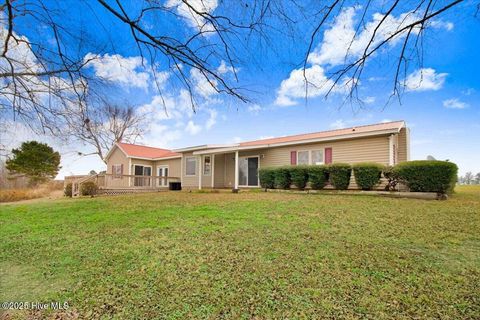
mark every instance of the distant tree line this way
{"type": "Point", "coordinates": [469, 178]}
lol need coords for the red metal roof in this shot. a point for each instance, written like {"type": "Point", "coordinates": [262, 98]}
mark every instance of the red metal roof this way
{"type": "Point", "coordinates": [328, 134]}
{"type": "Point", "coordinates": [135, 150]}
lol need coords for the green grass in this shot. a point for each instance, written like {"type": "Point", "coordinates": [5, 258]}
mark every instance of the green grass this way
{"type": "Point", "coordinates": [248, 255]}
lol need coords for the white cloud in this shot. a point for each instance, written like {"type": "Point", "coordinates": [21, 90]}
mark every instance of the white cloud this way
{"type": "Point", "coordinates": [340, 41]}
{"type": "Point", "coordinates": [454, 104]}
{"type": "Point", "coordinates": [425, 79]}
{"type": "Point", "coordinates": [191, 17]}
{"type": "Point", "coordinates": [386, 120]}
{"type": "Point", "coordinates": [223, 68]}
{"type": "Point", "coordinates": [338, 124]}
{"type": "Point", "coordinates": [127, 71]}
{"type": "Point", "coordinates": [369, 100]}
{"type": "Point", "coordinates": [294, 86]}
{"type": "Point", "coordinates": [254, 108]}
{"type": "Point", "coordinates": [202, 86]}
{"type": "Point", "coordinates": [192, 128]}
{"type": "Point", "coordinates": [212, 119]}
{"type": "Point", "coordinates": [439, 24]}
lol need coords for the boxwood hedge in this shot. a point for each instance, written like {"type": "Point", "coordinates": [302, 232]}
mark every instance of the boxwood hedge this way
{"type": "Point", "coordinates": [299, 176]}
{"type": "Point", "coordinates": [340, 174]}
{"type": "Point", "coordinates": [428, 175]}
{"type": "Point", "coordinates": [267, 178]}
{"type": "Point", "coordinates": [282, 178]}
{"type": "Point", "coordinates": [317, 176]}
{"type": "Point", "coordinates": [367, 174]}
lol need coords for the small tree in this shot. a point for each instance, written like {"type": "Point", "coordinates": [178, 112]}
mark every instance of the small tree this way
{"type": "Point", "coordinates": [477, 178]}
{"type": "Point", "coordinates": [468, 178]}
{"type": "Point", "coordinates": [36, 160]}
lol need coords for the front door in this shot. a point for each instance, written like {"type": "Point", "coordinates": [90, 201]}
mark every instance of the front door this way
{"type": "Point", "coordinates": [248, 171]}
{"type": "Point", "coordinates": [162, 172]}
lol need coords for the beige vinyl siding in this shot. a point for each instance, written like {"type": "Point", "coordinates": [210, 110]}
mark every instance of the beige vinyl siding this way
{"type": "Point", "coordinates": [374, 149]}
{"type": "Point", "coordinates": [189, 181]}
{"type": "Point", "coordinates": [174, 167]}
{"type": "Point", "coordinates": [219, 169]}
{"type": "Point", "coordinates": [117, 157]}
{"type": "Point", "coordinates": [403, 145]}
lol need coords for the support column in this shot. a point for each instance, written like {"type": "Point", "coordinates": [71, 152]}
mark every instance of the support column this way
{"type": "Point", "coordinates": [213, 170]}
{"type": "Point", "coordinates": [236, 171]}
{"type": "Point", "coordinates": [200, 172]}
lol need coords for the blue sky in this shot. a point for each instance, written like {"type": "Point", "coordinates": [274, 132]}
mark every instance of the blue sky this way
{"type": "Point", "coordinates": [442, 111]}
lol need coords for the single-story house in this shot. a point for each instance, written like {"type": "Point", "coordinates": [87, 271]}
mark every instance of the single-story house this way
{"type": "Point", "coordinates": [236, 165]}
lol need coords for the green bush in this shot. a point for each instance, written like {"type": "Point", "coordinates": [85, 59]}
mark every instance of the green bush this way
{"type": "Point", "coordinates": [339, 174]}
{"type": "Point", "coordinates": [68, 190]}
{"type": "Point", "coordinates": [367, 174]}
{"type": "Point", "coordinates": [267, 178]}
{"type": "Point", "coordinates": [282, 178]}
{"type": "Point", "coordinates": [428, 175]}
{"type": "Point", "coordinates": [392, 178]}
{"type": "Point", "coordinates": [88, 188]}
{"type": "Point", "coordinates": [299, 176]}
{"type": "Point", "coordinates": [318, 176]}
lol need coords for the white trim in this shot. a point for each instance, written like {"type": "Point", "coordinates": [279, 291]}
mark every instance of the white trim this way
{"type": "Point", "coordinates": [408, 142]}
{"type": "Point", "coordinates": [299, 142]}
{"type": "Point", "coordinates": [200, 173]}
{"type": "Point", "coordinates": [205, 146]}
{"type": "Point", "coordinates": [181, 170]}
{"type": "Point", "coordinates": [236, 171]}
{"type": "Point", "coordinates": [129, 172]}
{"type": "Point", "coordinates": [258, 168]}
{"type": "Point", "coordinates": [391, 158]}
{"type": "Point", "coordinates": [203, 165]}
{"type": "Point", "coordinates": [196, 160]}
{"type": "Point", "coordinates": [155, 159]}
{"type": "Point", "coordinates": [213, 170]}
{"type": "Point", "coordinates": [144, 165]}
{"type": "Point", "coordinates": [163, 166]}
{"type": "Point", "coordinates": [308, 157]}
{"type": "Point", "coordinates": [109, 153]}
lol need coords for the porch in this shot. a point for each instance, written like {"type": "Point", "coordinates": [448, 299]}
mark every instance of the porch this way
{"type": "Point", "coordinates": [121, 184]}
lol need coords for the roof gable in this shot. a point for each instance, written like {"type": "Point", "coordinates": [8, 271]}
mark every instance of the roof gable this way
{"type": "Point", "coordinates": [138, 151]}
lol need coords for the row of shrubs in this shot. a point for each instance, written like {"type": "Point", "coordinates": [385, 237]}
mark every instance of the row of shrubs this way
{"type": "Point", "coordinates": [424, 176]}
{"type": "Point", "coordinates": [88, 188]}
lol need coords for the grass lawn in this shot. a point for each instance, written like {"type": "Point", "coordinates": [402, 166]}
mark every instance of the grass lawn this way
{"type": "Point", "coordinates": [248, 255]}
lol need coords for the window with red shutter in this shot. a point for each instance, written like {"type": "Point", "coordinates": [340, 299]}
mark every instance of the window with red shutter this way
{"type": "Point", "coordinates": [293, 157]}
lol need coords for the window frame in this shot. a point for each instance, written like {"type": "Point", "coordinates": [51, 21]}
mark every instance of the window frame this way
{"type": "Point", "coordinates": [114, 171]}
{"type": "Point", "coordinates": [195, 166]}
{"type": "Point", "coordinates": [308, 158]}
{"type": "Point", "coordinates": [203, 165]}
{"type": "Point", "coordinates": [323, 157]}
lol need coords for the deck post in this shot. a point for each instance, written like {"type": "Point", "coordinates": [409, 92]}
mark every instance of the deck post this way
{"type": "Point", "coordinates": [199, 172]}
{"type": "Point", "coordinates": [236, 172]}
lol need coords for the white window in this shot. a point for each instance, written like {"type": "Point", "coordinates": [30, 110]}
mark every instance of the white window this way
{"type": "Point", "coordinates": [207, 165]}
{"type": "Point", "coordinates": [191, 166]}
{"type": "Point", "coordinates": [302, 157]}
{"type": "Point", "coordinates": [117, 170]}
{"type": "Point", "coordinates": [317, 157]}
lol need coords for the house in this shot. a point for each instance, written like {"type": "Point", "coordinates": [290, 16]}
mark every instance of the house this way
{"type": "Point", "coordinates": [236, 165]}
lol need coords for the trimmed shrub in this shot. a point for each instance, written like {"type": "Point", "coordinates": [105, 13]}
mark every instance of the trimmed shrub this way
{"type": "Point", "coordinates": [318, 176]}
{"type": "Point", "coordinates": [367, 174]}
{"type": "Point", "coordinates": [88, 188]}
{"type": "Point", "coordinates": [392, 178]}
{"type": "Point", "coordinates": [299, 176]}
{"type": "Point", "coordinates": [267, 178]}
{"type": "Point", "coordinates": [428, 175]}
{"type": "Point", "coordinates": [68, 190]}
{"type": "Point", "coordinates": [340, 174]}
{"type": "Point", "coordinates": [282, 178]}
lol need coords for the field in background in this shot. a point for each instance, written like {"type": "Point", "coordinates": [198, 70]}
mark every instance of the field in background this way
{"type": "Point", "coordinates": [43, 190]}
{"type": "Point", "coordinates": [248, 255]}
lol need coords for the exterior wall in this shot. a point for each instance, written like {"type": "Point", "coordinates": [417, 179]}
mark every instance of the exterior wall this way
{"type": "Point", "coordinates": [189, 181]}
{"type": "Point", "coordinates": [369, 149]}
{"type": "Point", "coordinates": [403, 152]}
{"type": "Point", "coordinates": [117, 157]}
{"type": "Point", "coordinates": [174, 167]}
{"type": "Point", "coordinates": [219, 171]}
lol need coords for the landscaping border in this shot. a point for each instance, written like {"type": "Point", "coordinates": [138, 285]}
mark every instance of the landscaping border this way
{"type": "Point", "coordinates": [390, 194]}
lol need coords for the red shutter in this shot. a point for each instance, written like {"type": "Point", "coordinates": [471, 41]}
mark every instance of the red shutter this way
{"type": "Point", "coordinates": [293, 157]}
{"type": "Point", "coordinates": [328, 155]}
{"type": "Point", "coordinates": [121, 169]}
{"type": "Point", "coordinates": [113, 169]}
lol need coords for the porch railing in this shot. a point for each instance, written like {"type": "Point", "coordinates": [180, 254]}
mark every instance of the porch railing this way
{"type": "Point", "coordinates": [113, 181]}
